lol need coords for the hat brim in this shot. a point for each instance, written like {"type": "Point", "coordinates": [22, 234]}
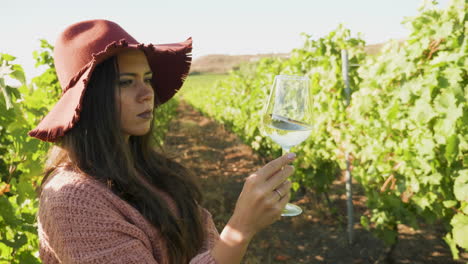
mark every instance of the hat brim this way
{"type": "Point", "coordinates": [170, 64]}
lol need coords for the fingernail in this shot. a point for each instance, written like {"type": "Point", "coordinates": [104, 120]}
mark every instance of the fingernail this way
{"type": "Point", "coordinates": [291, 155]}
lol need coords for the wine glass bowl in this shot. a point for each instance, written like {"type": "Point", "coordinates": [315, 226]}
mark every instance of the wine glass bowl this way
{"type": "Point", "coordinates": [286, 117]}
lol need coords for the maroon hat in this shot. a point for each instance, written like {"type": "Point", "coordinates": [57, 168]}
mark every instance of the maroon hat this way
{"type": "Point", "coordinates": [84, 45]}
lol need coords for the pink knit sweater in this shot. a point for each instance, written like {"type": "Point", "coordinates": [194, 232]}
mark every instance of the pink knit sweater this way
{"type": "Point", "coordinates": [82, 221]}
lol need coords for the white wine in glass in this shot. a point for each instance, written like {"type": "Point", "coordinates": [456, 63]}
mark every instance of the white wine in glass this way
{"type": "Point", "coordinates": [286, 117]}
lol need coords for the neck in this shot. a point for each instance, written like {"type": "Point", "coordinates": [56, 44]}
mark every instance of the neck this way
{"type": "Point", "coordinates": [126, 138]}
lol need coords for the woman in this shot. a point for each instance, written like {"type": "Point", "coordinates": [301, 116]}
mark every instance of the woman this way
{"type": "Point", "coordinates": [108, 197]}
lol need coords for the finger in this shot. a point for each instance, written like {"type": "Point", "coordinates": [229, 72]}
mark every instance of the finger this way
{"type": "Point", "coordinates": [282, 203]}
{"type": "Point", "coordinates": [274, 166]}
{"type": "Point", "coordinates": [279, 178]}
{"type": "Point", "coordinates": [281, 191]}
{"type": "Point", "coordinates": [277, 195]}
{"type": "Point", "coordinates": [284, 188]}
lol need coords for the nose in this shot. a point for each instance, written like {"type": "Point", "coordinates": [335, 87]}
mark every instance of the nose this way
{"type": "Point", "coordinates": [146, 92]}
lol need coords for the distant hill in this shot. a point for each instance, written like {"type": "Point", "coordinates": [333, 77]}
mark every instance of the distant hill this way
{"type": "Point", "coordinates": [373, 49]}
{"type": "Point", "coordinates": [220, 64]}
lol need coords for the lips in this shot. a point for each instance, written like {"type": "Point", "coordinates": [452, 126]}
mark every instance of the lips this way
{"type": "Point", "coordinates": [148, 114]}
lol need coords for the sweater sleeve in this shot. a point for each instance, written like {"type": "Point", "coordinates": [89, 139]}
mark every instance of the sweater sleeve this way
{"type": "Point", "coordinates": [211, 236]}
{"type": "Point", "coordinates": [78, 224]}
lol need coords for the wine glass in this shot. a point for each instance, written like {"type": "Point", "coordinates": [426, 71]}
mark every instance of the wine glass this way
{"type": "Point", "coordinates": [286, 117]}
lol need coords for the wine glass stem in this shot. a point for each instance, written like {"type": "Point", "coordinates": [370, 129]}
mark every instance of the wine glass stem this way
{"type": "Point", "coordinates": [290, 209]}
{"type": "Point", "coordinates": [285, 151]}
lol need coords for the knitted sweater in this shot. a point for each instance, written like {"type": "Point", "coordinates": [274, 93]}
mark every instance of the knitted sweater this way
{"type": "Point", "coordinates": [81, 221]}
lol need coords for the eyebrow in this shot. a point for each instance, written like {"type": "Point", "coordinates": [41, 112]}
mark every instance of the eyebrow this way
{"type": "Point", "coordinates": [133, 74]}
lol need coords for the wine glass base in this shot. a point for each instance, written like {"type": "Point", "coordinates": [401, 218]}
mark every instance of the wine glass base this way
{"type": "Point", "coordinates": [291, 210]}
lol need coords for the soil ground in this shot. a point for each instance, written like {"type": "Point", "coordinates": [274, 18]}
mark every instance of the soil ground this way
{"type": "Point", "coordinates": [318, 235]}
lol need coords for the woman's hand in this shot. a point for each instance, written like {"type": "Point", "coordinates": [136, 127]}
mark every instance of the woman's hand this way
{"type": "Point", "coordinates": [263, 197]}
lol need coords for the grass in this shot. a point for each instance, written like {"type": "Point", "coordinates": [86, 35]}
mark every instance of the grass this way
{"type": "Point", "coordinates": [199, 84]}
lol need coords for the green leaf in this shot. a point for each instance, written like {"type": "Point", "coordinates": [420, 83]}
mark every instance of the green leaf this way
{"type": "Point", "coordinates": [18, 241]}
{"type": "Point", "coordinates": [365, 222]}
{"type": "Point", "coordinates": [6, 57]}
{"type": "Point", "coordinates": [427, 147]}
{"type": "Point", "coordinates": [451, 150]}
{"type": "Point", "coordinates": [444, 58]}
{"type": "Point", "coordinates": [445, 101]}
{"type": "Point", "coordinates": [389, 236]}
{"type": "Point", "coordinates": [18, 74]}
{"type": "Point", "coordinates": [5, 251]}
{"type": "Point", "coordinates": [452, 244]}
{"type": "Point", "coordinates": [450, 203]}
{"type": "Point", "coordinates": [460, 186]}
{"type": "Point", "coordinates": [464, 207]}
{"type": "Point", "coordinates": [393, 111]}
{"type": "Point", "coordinates": [422, 111]}
{"type": "Point", "coordinates": [6, 95]}
{"type": "Point", "coordinates": [443, 127]}
{"type": "Point", "coordinates": [7, 212]}
{"type": "Point", "coordinates": [444, 30]}
{"type": "Point", "coordinates": [25, 191]}
{"type": "Point", "coordinates": [460, 230]}
{"type": "Point", "coordinates": [28, 257]}
{"type": "Point", "coordinates": [453, 75]}
{"type": "Point", "coordinates": [295, 186]}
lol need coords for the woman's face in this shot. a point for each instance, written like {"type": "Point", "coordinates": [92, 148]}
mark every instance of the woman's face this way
{"type": "Point", "coordinates": [134, 94]}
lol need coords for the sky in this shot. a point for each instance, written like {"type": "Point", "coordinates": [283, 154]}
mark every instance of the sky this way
{"type": "Point", "coordinates": [216, 26]}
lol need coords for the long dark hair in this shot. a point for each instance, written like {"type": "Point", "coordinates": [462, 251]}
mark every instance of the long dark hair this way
{"type": "Point", "coordinates": [132, 170]}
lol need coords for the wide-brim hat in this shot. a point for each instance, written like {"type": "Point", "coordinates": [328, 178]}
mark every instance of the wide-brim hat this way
{"type": "Point", "coordinates": [84, 45]}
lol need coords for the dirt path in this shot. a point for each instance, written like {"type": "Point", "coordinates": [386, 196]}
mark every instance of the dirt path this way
{"type": "Point", "coordinates": [222, 162]}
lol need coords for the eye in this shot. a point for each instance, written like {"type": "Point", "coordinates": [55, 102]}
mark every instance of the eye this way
{"type": "Point", "coordinates": [125, 83]}
{"type": "Point", "coordinates": [148, 80]}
